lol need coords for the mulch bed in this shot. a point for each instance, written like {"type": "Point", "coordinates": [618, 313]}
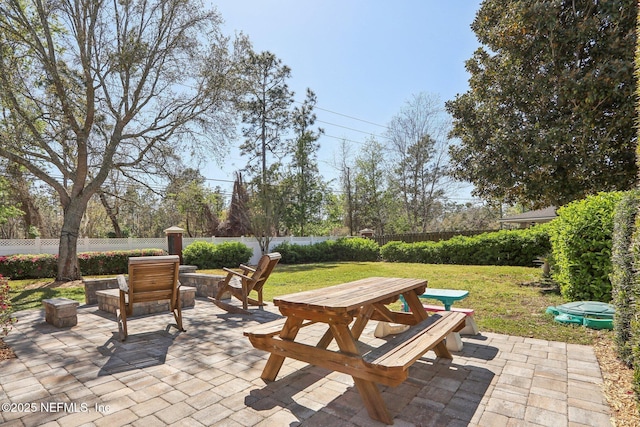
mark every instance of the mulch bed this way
{"type": "Point", "coordinates": [5, 351]}
{"type": "Point", "coordinates": [618, 385]}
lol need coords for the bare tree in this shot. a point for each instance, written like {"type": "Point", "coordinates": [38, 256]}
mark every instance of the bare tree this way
{"type": "Point", "coordinates": [89, 86]}
{"type": "Point", "coordinates": [418, 135]}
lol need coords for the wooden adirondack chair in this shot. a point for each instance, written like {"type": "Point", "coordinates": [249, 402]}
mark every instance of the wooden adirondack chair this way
{"type": "Point", "coordinates": [241, 284]}
{"type": "Point", "coordinates": [151, 278]}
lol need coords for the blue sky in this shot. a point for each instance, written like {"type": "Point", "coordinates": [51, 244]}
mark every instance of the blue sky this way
{"type": "Point", "coordinates": [363, 59]}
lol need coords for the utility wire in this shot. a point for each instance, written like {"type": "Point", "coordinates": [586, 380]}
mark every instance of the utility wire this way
{"type": "Point", "coordinates": [352, 129]}
{"type": "Point", "coordinates": [345, 115]}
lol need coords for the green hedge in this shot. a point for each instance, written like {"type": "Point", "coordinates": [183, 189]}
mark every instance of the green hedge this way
{"type": "Point", "coordinates": [581, 247]}
{"type": "Point", "coordinates": [624, 286]}
{"type": "Point", "coordinates": [634, 325]}
{"type": "Point", "coordinates": [91, 263]}
{"type": "Point", "coordinates": [343, 249]}
{"type": "Point", "coordinates": [506, 247]}
{"type": "Point", "coordinates": [209, 255]}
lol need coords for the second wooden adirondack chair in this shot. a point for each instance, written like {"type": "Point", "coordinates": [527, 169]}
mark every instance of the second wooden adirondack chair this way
{"type": "Point", "coordinates": [240, 284]}
{"type": "Point", "coordinates": [151, 278]}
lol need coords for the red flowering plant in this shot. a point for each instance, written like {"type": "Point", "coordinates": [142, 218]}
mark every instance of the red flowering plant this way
{"type": "Point", "coordinates": [5, 308]}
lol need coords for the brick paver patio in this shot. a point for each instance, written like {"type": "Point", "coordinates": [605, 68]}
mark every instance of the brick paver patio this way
{"type": "Point", "coordinates": [210, 375]}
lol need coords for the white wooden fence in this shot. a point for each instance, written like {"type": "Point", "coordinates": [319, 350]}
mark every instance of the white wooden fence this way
{"type": "Point", "coordinates": [86, 244]}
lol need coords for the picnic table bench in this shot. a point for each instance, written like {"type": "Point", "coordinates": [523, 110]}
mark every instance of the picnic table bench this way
{"type": "Point", "coordinates": [345, 309]}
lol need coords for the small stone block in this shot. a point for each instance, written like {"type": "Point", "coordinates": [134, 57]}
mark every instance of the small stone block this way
{"type": "Point", "coordinates": [61, 312]}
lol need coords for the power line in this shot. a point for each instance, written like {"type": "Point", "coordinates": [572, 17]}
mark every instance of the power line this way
{"type": "Point", "coordinates": [345, 115]}
{"type": "Point", "coordinates": [352, 129]}
{"type": "Point", "coordinates": [342, 139]}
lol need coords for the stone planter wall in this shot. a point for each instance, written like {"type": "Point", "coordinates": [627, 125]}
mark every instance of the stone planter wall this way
{"type": "Point", "coordinates": [109, 301]}
{"type": "Point", "coordinates": [206, 284]}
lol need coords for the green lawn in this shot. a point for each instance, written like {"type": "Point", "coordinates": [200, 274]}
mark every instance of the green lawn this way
{"type": "Point", "coordinates": [506, 300]}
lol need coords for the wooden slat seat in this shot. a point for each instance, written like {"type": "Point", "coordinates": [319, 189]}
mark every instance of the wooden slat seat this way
{"type": "Point", "coordinates": [471, 327]}
{"type": "Point", "coordinates": [404, 349]}
{"type": "Point", "coordinates": [437, 308]}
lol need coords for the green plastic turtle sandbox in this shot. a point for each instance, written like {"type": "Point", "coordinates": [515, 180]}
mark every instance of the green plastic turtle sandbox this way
{"type": "Point", "coordinates": [592, 314]}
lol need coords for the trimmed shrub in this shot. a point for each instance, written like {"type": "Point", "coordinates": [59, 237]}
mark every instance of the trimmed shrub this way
{"type": "Point", "coordinates": [305, 254]}
{"type": "Point", "coordinates": [356, 249]}
{"type": "Point", "coordinates": [634, 295]}
{"type": "Point", "coordinates": [343, 249]}
{"type": "Point", "coordinates": [111, 262]}
{"type": "Point", "coordinates": [506, 247]}
{"type": "Point", "coordinates": [209, 255]}
{"type": "Point", "coordinates": [199, 253]}
{"type": "Point", "coordinates": [91, 263]}
{"type": "Point", "coordinates": [231, 254]}
{"type": "Point", "coordinates": [581, 245]}
{"type": "Point", "coordinates": [29, 266]}
{"type": "Point", "coordinates": [625, 243]}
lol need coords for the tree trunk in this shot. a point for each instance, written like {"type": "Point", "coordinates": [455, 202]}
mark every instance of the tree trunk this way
{"type": "Point", "coordinates": [68, 266]}
{"type": "Point", "coordinates": [112, 214]}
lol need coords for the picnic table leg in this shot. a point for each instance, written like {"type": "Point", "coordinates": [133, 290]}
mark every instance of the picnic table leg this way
{"type": "Point", "coordinates": [372, 399]}
{"type": "Point", "coordinates": [274, 363]}
{"type": "Point", "coordinates": [356, 330]}
{"type": "Point", "coordinates": [361, 321]}
{"type": "Point", "coordinates": [325, 340]}
{"type": "Point", "coordinates": [368, 390]}
{"type": "Point", "coordinates": [415, 306]}
{"type": "Point", "coordinates": [441, 350]}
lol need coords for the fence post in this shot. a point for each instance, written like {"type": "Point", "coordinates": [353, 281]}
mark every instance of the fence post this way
{"type": "Point", "coordinates": [174, 241]}
{"type": "Point", "coordinates": [38, 246]}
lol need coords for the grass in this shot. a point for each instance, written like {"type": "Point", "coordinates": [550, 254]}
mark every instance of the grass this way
{"type": "Point", "coordinates": [506, 300]}
{"type": "Point", "coordinates": [28, 299]}
{"type": "Point", "coordinates": [23, 298]}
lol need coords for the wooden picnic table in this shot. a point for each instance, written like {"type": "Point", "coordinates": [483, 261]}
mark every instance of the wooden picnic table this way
{"type": "Point", "coordinates": [346, 309]}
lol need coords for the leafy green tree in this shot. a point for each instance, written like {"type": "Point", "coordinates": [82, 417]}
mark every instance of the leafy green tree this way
{"type": "Point", "coordinates": [8, 209]}
{"type": "Point", "coordinates": [196, 203]}
{"type": "Point", "coordinates": [266, 118]}
{"type": "Point", "coordinates": [87, 87]}
{"type": "Point", "coordinates": [372, 200]}
{"type": "Point", "coordinates": [144, 214]}
{"type": "Point", "coordinates": [21, 192]}
{"type": "Point", "coordinates": [265, 114]}
{"type": "Point", "coordinates": [549, 117]}
{"type": "Point", "coordinates": [305, 188]}
{"type": "Point", "coordinates": [331, 221]}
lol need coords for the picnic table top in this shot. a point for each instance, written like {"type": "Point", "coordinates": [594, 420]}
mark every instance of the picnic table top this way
{"type": "Point", "coordinates": [352, 295]}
